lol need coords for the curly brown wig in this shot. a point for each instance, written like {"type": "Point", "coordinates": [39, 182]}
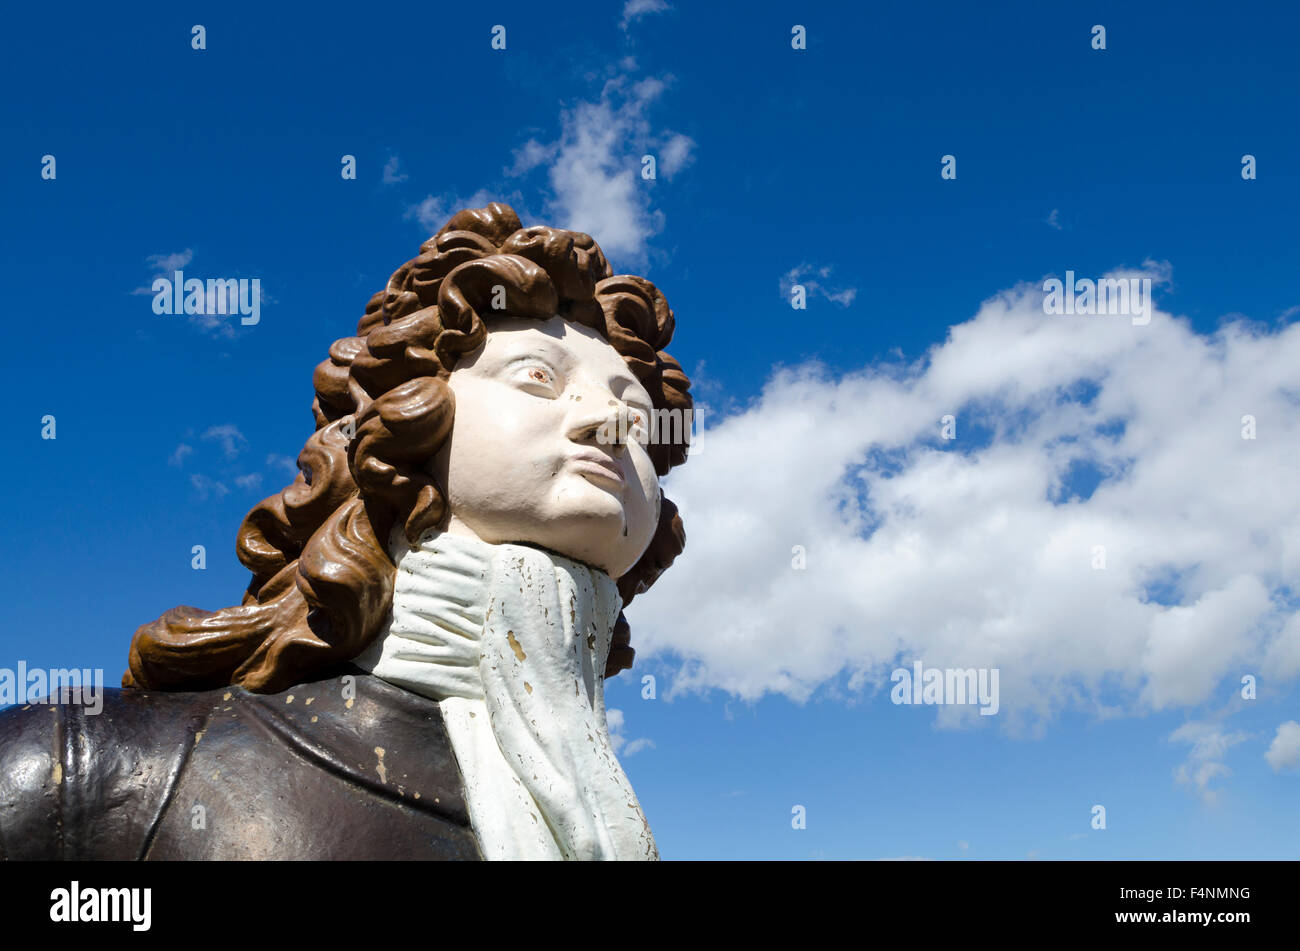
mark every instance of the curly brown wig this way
{"type": "Point", "coordinates": [322, 580]}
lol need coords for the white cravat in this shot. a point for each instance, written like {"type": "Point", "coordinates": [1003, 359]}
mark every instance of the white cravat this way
{"type": "Point", "coordinates": [511, 641]}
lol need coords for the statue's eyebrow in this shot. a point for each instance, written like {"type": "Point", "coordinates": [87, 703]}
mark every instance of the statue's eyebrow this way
{"type": "Point", "coordinates": [546, 348]}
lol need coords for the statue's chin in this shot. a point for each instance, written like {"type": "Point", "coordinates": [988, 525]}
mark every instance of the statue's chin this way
{"type": "Point", "coordinates": [593, 535]}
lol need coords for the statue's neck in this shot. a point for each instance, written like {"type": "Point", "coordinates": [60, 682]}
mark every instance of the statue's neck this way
{"type": "Point", "coordinates": [431, 643]}
{"type": "Point", "coordinates": [512, 642]}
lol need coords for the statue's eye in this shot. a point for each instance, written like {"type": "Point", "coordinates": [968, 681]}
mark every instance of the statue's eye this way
{"type": "Point", "coordinates": [537, 378]}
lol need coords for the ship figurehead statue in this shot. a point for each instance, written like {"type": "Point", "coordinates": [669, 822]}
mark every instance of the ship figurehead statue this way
{"type": "Point", "coordinates": [417, 668]}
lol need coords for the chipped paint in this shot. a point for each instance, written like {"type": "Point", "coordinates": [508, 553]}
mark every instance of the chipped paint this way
{"type": "Point", "coordinates": [380, 768]}
{"type": "Point", "coordinates": [540, 779]}
{"type": "Point", "coordinates": [58, 773]}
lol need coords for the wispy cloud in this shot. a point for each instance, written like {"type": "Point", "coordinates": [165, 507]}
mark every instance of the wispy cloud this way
{"type": "Point", "coordinates": [1210, 743]}
{"type": "Point", "coordinates": [232, 441]}
{"type": "Point", "coordinates": [208, 488]}
{"type": "Point", "coordinates": [596, 179]}
{"type": "Point", "coordinates": [593, 167]}
{"type": "Point", "coordinates": [815, 280]}
{"type": "Point", "coordinates": [530, 155]}
{"type": "Point", "coordinates": [634, 10]}
{"type": "Point", "coordinates": [217, 304]}
{"type": "Point", "coordinates": [618, 741]}
{"type": "Point", "coordinates": [165, 265]}
{"type": "Point", "coordinates": [284, 463]}
{"type": "Point", "coordinates": [636, 746]}
{"type": "Point", "coordinates": [677, 152]}
{"type": "Point", "coordinates": [393, 174]}
{"type": "Point", "coordinates": [181, 453]}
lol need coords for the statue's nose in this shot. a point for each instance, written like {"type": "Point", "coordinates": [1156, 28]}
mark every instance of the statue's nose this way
{"type": "Point", "coordinates": [599, 418]}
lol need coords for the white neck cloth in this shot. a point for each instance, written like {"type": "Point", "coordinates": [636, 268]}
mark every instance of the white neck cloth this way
{"type": "Point", "coordinates": [511, 641]}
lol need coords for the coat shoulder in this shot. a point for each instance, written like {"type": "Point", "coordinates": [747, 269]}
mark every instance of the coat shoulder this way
{"type": "Point", "coordinates": [347, 766]}
{"type": "Point", "coordinates": [89, 782]}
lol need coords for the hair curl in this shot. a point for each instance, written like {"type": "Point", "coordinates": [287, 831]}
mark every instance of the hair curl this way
{"type": "Point", "coordinates": [322, 582]}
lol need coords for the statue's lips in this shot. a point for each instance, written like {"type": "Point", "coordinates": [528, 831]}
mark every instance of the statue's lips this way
{"type": "Point", "coordinates": [598, 468]}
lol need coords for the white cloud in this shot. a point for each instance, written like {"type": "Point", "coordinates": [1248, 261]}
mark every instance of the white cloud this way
{"type": "Point", "coordinates": [216, 305]}
{"type": "Point", "coordinates": [636, 746]}
{"type": "Point", "coordinates": [621, 744]}
{"type": "Point", "coordinates": [165, 265]}
{"type": "Point", "coordinates": [1284, 751]}
{"type": "Point", "coordinates": [979, 552]}
{"type": "Point", "coordinates": [1283, 657]}
{"type": "Point", "coordinates": [393, 173]}
{"type": "Point", "coordinates": [633, 10]}
{"type": "Point", "coordinates": [614, 720]}
{"type": "Point", "coordinates": [208, 488]}
{"type": "Point", "coordinates": [228, 435]}
{"type": "Point", "coordinates": [1210, 744]}
{"type": "Point", "coordinates": [1189, 648]}
{"type": "Point", "coordinates": [178, 457]}
{"type": "Point", "coordinates": [594, 167]}
{"type": "Point", "coordinates": [214, 317]}
{"type": "Point", "coordinates": [251, 481]}
{"type": "Point", "coordinates": [530, 155]}
{"type": "Point", "coordinates": [675, 154]}
{"type": "Point", "coordinates": [814, 281]}
{"type": "Point", "coordinates": [283, 462]}
{"type": "Point", "coordinates": [1054, 219]}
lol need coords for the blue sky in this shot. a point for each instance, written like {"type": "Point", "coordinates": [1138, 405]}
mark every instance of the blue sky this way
{"type": "Point", "coordinates": [776, 166]}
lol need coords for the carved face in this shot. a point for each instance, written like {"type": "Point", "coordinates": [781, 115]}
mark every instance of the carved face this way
{"type": "Point", "coordinates": [548, 445]}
